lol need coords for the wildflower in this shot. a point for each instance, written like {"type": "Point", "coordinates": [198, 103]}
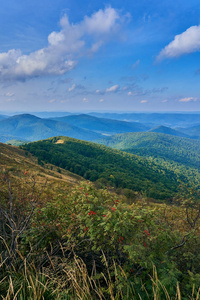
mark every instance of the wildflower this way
{"type": "Point", "coordinates": [140, 221]}
{"type": "Point", "coordinates": [121, 239]}
{"type": "Point", "coordinates": [104, 216]}
{"type": "Point", "coordinates": [147, 232]}
{"type": "Point", "coordinates": [39, 212]}
{"type": "Point", "coordinates": [26, 172]}
{"type": "Point", "coordinates": [86, 194]}
{"type": "Point", "coordinates": [86, 228]}
{"type": "Point", "coordinates": [80, 188]}
{"type": "Point", "coordinates": [91, 213]}
{"type": "Point", "coordinates": [113, 208]}
{"type": "Point", "coordinates": [131, 270]}
{"type": "Point", "coordinates": [145, 245]}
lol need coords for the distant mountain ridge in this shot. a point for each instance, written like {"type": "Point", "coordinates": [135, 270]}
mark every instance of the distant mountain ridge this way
{"type": "Point", "coordinates": [168, 130]}
{"type": "Point", "coordinates": [155, 119]}
{"type": "Point", "coordinates": [102, 125]}
{"type": "Point", "coordinates": [32, 128]}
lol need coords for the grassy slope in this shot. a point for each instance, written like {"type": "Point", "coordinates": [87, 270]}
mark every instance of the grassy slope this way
{"type": "Point", "coordinates": [93, 161]}
{"type": "Point", "coordinates": [15, 161]}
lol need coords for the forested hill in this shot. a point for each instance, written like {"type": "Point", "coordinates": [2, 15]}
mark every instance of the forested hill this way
{"type": "Point", "coordinates": [181, 150]}
{"type": "Point", "coordinates": [168, 130]}
{"type": "Point", "coordinates": [32, 128]}
{"type": "Point", "coordinates": [103, 164]}
{"type": "Point", "coordinates": [102, 125]}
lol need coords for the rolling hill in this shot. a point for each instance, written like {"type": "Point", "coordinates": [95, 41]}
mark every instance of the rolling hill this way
{"type": "Point", "coordinates": [193, 131]}
{"type": "Point", "coordinates": [100, 163]}
{"type": "Point", "coordinates": [102, 125]}
{"type": "Point", "coordinates": [168, 130]}
{"type": "Point", "coordinates": [32, 128]}
{"type": "Point", "coordinates": [158, 145]}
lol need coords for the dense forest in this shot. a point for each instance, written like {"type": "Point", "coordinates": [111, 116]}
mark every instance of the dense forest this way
{"type": "Point", "coordinates": [103, 164]}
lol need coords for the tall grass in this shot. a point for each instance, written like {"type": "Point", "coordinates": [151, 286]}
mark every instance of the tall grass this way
{"type": "Point", "coordinates": [64, 279]}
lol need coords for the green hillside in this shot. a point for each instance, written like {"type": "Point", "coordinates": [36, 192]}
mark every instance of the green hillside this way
{"type": "Point", "coordinates": [102, 125]}
{"type": "Point", "coordinates": [180, 150]}
{"type": "Point", "coordinates": [168, 130]}
{"type": "Point", "coordinates": [99, 163]}
{"type": "Point", "coordinates": [32, 128]}
{"type": "Point", "coordinates": [193, 131]}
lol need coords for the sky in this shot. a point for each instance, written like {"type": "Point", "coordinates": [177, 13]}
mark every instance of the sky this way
{"type": "Point", "coordinates": [81, 56]}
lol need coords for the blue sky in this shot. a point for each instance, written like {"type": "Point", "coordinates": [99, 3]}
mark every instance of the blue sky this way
{"type": "Point", "coordinates": [99, 56]}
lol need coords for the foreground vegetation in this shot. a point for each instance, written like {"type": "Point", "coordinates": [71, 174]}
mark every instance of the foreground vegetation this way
{"type": "Point", "coordinates": [79, 242]}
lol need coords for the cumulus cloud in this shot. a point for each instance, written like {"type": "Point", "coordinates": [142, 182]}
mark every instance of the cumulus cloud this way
{"type": "Point", "coordinates": [113, 89]}
{"type": "Point", "coordinates": [64, 47]}
{"type": "Point", "coordinates": [143, 101]}
{"type": "Point", "coordinates": [85, 100]}
{"type": "Point", "coordinates": [184, 43]}
{"type": "Point", "coordinates": [189, 99]}
{"type": "Point", "coordinates": [101, 100]}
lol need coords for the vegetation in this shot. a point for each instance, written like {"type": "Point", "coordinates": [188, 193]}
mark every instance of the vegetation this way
{"type": "Point", "coordinates": [82, 243]}
{"type": "Point", "coordinates": [62, 237]}
{"type": "Point", "coordinates": [105, 165]}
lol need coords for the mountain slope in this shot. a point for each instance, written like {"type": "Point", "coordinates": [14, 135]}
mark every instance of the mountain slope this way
{"type": "Point", "coordinates": [176, 149]}
{"type": "Point", "coordinates": [14, 162]}
{"type": "Point", "coordinates": [193, 131]}
{"type": "Point", "coordinates": [32, 128]}
{"type": "Point", "coordinates": [168, 130]}
{"type": "Point", "coordinates": [102, 125]}
{"type": "Point", "coordinates": [97, 162]}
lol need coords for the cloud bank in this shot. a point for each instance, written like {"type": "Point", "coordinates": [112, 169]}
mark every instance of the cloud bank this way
{"type": "Point", "coordinates": [184, 43]}
{"type": "Point", "coordinates": [64, 47]}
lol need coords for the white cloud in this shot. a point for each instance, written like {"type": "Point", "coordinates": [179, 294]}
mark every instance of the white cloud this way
{"type": "Point", "coordinates": [101, 100]}
{"type": "Point", "coordinates": [143, 101]}
{"type": "Point", "coordinates": [113, 88]}
{"type": "Point", "coordinates": [9, 94]}
{"type": "Point", "coordinates": [184, 43]}
{"type": "Point", "coordinates": [189, 99]}
{"type": "Point", "coordinates": [60, 55]}
{"type": "Point", "coordinates": [164, 101]}
{"type": "Point", "coordinates": [72, 88]}
{"type": "Point", "coordinates": [85, 100]}
{"type": "Point", "coordinates": [129, 93]}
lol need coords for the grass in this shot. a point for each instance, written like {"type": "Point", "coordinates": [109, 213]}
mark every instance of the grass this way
{"type": "Point", "coordinates": [64, 278]}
